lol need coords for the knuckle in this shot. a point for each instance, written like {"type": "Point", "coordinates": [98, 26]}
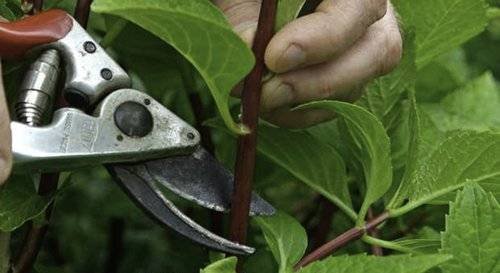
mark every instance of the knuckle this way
{"type": "Point", "coordinates": [376, 9]}
{"type": "Point", "coordinates": [392, 47]}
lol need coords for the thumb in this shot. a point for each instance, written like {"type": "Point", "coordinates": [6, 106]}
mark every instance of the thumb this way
{"type": "Point", "coordinates": [5, 137]}
{"type": "Point", "coordinates": [243, 16]}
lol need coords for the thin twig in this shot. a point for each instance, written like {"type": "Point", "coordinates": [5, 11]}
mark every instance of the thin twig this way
{"type": "Point", "coordinates": [376, 250]}
{"type": "Point", "coordinates": [115, 245]}
{"type": "Point", "coordinates": [82, 12]}
{"type": "Point", "coordinates": [48, 185]}
{"type": "Point", "coordinates": [33, 240]}
{"type": "Point", "coordinates": [245, 159]}
{"type": "Point", "coordinates": [340, 241]}
{"type": "Point", "coordinates": [325, 223]}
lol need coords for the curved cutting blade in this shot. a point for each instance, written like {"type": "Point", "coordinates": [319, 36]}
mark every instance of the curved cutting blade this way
{"type": "Point", "coordinates": [138, 184]}
{"type": "Point", "coordinates": [200, 178]}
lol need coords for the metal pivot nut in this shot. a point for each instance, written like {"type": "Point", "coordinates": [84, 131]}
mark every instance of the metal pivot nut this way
{"type": "Point", "coordinates": [133, 119]}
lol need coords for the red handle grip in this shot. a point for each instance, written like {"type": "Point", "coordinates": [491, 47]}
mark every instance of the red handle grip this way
{"type": "Point", "coordinates": [16, 38]}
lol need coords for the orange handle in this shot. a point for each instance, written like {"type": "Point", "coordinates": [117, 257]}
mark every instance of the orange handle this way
{"type": "Point", "coordinates": [16, 38]}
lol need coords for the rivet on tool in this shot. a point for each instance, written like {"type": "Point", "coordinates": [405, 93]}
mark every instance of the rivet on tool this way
{"type": "Point", "coordinates": [89, 47]}
{"type": "Point", "coordinates": [147, 102]}
{"type": "Point", "coordinates": [190, 135]}
{"type": "Point", "coordinates": [106, 74]}
{"type": "Point", "coordinates": [133, 119]}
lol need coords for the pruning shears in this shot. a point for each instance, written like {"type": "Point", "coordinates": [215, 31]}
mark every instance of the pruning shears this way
{"type": "Point", "coordinates": [142, 144]}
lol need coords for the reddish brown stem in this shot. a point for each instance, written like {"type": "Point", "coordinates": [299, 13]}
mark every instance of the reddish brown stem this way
{"type": "Point", "coordinates": [340, 241]}
{"type": "Point", "coordinates": [245, 159]}
{"type": "Point", "coordinates": [34, 238]}
{"type": "Point", "coordinates": [48, 183]}
{"type": "Point", "coordinates": [376, 250]}
{"type": "Point", "coordinates": [321, 231]}
{"type": "Point", "coordinates": [82, 12]}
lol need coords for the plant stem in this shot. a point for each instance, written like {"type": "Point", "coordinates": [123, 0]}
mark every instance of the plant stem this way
{"type": "Point", "coordinates": [245, 159]}
{"type": "Point", "coordinates": [385, 244]}
{"type": "Point", "coordinates": [342, 240]}
{"type": "Point", "coordinates": [48, 185]}
{"type": "Point", "coordinates": [36, 233]}
{"type": "Point", "coordinates": [376, 250]}
{"type": "Point", "coordinates": [115, 245]}
{"type": "Point", "coordinates": [82, 11]}
{"type": "Point", "coordinates": [327, 210]}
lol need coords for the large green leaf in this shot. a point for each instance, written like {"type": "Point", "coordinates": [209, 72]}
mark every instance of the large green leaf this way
{"type": "Point", "coordinates": [375, 264]}
{"type": "Point", "coordinates": [441, 76]}
{"type": "Point", "coordinates": [287, 11]}
{"type": "Point", "coordinates": [424, 138]}
{"type": "Point", "coordinates": [5, 11]}
{"type": "Point", "coordinates": [441, 25]}
{"type": "Point", "coordinates": [157, 65]}
{"type": "Point", "coordinates": [372, 147]}
{"type": "Point", "coordinates": [472, 233]}
{"type": "Point", "coordinates": [227, 265]}
{"type": "Point", "coordinates": [201, 33]}
{"type": "Point", "coordinates": [311, 161]}
{"type": "Point", "coordinates": [307, 158]}
{"type": "Point", "coordinates": [20, 203]}
{"type": "Point", "coordinates": [476, 106]}
{"type": "Point", "coordinates": [286, 238]}
{"type": "Point", "coordinates": [463, 157]}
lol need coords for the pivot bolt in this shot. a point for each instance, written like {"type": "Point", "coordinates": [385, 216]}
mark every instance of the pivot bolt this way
{"type": "Point", "coordinates": [133, 119]}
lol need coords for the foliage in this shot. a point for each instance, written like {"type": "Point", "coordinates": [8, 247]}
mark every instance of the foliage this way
{"type": "Point", "coordinates": [420, 137]}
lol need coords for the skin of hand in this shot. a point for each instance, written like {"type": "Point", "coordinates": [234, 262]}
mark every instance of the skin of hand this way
{"type": "Point", "coordinates": [328, 54]}
{"type": "Point", "coordinates": [5, 136]}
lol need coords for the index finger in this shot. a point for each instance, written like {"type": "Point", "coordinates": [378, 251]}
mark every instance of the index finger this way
{"type": "Point", "coordinates": [317, 37]}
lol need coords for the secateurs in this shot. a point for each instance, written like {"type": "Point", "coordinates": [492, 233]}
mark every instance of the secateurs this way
{"type": "Point", "coordinates": [142, 144]}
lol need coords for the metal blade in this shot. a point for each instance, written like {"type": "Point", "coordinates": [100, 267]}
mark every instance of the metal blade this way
{"type": "Point", "coordinates": [200, 178]}
{"type": "Point", "coordinates": [140, 187]}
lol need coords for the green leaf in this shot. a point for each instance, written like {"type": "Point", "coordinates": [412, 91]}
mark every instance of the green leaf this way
{"type": "Point", "coordinates": [227, 265]}
{"type": "Point", "coordinates": [5, 12]}
{"type": "Point", "coordinates": [476, 106]}
{"type": "Point", "coordinates": [463, 157]}
{"type": "Point", "coordinates": [287, 11]}
{"type": "Point", "coordinates": [20, 203]}
{"type": "Point", "coordinates": [292, 150]}
{"type": "Point", "coordinates": [441, 76]}
{"type": "Point", "coordinates": [157, 65]}
{"type": "Point", "coordinates": [442, 25]}
{"type": "Point", "coordinates": [372, 146]}
{"type": "Point", "coordinates": [376, 264]}
{"type": "Point", "coordinates": [325, 172]}
{"type": "Point", "coordinates": [201, 33]}
{"type": "Point", "coordinates": [472, 233]}
{"type": "Point", "coordinates": [286, 238]}
{"type": "Point", "coordinates": [424, 139]}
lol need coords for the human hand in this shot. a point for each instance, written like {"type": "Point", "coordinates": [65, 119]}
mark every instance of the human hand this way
{"type": "Point", "coordinates": [329, 54]}
{"type": "Point", "coordinates": [5, 137]}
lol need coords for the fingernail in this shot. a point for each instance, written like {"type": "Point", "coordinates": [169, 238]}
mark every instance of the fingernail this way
{"type": "Point", "coordinates": [276, 94]}
{"type": "Point", "coordinates": [293, 57]}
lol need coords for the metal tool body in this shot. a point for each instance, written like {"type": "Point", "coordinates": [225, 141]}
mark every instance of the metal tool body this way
{"type": "Point", "coordinates": [142, 144]}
